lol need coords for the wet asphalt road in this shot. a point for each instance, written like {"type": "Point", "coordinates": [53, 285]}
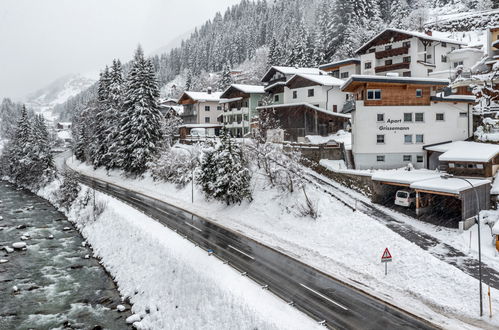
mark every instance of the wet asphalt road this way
{"type": "Point", "coordinates": [322, 297]}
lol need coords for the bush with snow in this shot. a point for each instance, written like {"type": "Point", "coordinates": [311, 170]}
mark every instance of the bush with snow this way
{"type": "Point", "coordinates": [176, 166]}
{"type": "Point", "coordinates": [68, 191]}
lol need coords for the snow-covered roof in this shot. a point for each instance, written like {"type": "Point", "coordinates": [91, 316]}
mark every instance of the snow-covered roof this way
{"type": "Point", "coordinates": [400, 80]}
{"type": "Point", "coordinates": [454, 98]}
{"type": "Point", "coordinates": [405, 177]}
{"type": "Point", "coordinates": [304, 104]}
{"type": "Point", "coordinates": [409, 33]}
{"type": "Point", "coordinates": [231, 100]}
{"type": "Point", "coordinates": [465, 50]}
{"type": "Point", "coordinates": [248, 89]}
{"type": "Point", "coordinates": [279, 83]}
{"type": "Point", "coordinates": [201, 125]}
{"type": "Point", "coordinates": [466, 151]}
{"type": "Point", "coordinates": [339, 63]}
{"type": "Point", "coordinates": [324, 80]}
{"type": "Point", "coordinates": [288, 70]}
{"type": "Point", "coordinates": [450, 185]}
{"type": "Point", "coordinates": [495, 228]}
{"type": "Point", "coordinates": [203, 96]}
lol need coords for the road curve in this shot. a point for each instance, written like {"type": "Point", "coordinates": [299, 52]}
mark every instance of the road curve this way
{"type": "Point", "coordinates": [335, 304]}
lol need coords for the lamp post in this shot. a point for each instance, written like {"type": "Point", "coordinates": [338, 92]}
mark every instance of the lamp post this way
{"type": "Point", "coordinates": [447, 176]}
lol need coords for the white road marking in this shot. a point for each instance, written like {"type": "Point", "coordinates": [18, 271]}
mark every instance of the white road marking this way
{"type": "Point", "coordinates": [323, 296]}
{"type": "Point", "coordinates": [233, 248]}
{"type": "Point", "coordinates": [192, 226]}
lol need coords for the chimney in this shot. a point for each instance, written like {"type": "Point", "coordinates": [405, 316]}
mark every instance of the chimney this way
{"type": "Point", "coordinates": [209, 90]}
{"type": "Point", "coordinates": [428, 32]}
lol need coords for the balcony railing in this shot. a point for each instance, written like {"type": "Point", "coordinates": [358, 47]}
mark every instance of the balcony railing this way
{"type": "Point", "coordinates": [392, 52]}
{"type": "Point", "coordinates": [391, 67]}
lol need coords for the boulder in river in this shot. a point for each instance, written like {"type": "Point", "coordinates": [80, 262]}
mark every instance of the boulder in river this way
{"type": "Point", "coordinates": [19, 245]}
{"type": "Point", "coordinates": [8, 249]}
{"type": "Point", "coordinates": [2, 261]}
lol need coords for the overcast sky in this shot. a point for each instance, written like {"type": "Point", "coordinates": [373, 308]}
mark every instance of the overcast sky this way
{"type": "Point", "coordinates": [42, 40]}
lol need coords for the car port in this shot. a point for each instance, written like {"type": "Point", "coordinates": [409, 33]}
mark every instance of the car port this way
{"type": "Point", "coordinates": [449, 202]}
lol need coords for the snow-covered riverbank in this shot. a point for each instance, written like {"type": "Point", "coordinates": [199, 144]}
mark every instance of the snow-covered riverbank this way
{"type": "Point", "coordinates": [171, 283]}
{"type": "Point", "coordinates": [346, 244]}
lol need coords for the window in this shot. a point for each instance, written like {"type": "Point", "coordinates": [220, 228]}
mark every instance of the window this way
{"type": "Point", "coordinates": [206, 108]}
{"type": "Point", "coordinates": [452, 165]}
{"type": "Point", "coordinates": [367, 65]}
{"type": "Point", "coordinates": [380, 139]}
{"type": "Point", "coordinates": [406, 59]}
{"type": "Point", "coordinates": [380, 158]}
{"type": "Point", "coordinates": [463, 114]}
{"type": "Point", "coordinates": [406, 74]}
{"type": "Point", "coordinates": [388, 47]}
{"type": "Point", "coordinates": [456, 64]}
{"type": "Point", "coordinates": [419, 116]}
{"type": "Point", "coordinates": [335, 73]}
{"type": "Point", "coordinates": [206, 119]}
{"type": "Point", "coordinates": [419, 138]}
{"type": "Point", "coordinates": [276, 98]}
{"type": "Point", "coordinates": [479, 166]}
{"type": "Point", "coordinates": [444, 44]}
{"type": "Point", "coordinates": [295, 94]}
{"type": "Point", "coordinates": [380, 117]}
{"type": "Point", "coordinates": [388, 62]}
{"type": "Point", "coordinates": [444, 59]}
{"type": "Point", "coordinates": [430, 71]}
{"type": "Point", "coordinates": [372, 50]}
{"type": "Point", "coordinates": [335, 108]}
{"type": "Point", "coordinates": [374, 94]}
{"type": "Point", "coordinates": [419, 93]}
{"type": "Point", "coordinates": [219, 107]}
{"type": "Point", "coordinates": [407, 158]}
{"type": "Point", "coordinates": [439, 116]}
{"type": "Point", "coordinates": [406, 44]}
{"type": "Point", "coordinates": [408, 117]}
{"type": "Point", "coordinates": [407, 138]}
{"type": "Point", "coordinates": [428, 56]}
{"type": "Point", "coordinates": [344, 75]}
{"type": "Point", "coordinates": [311, 92]}
{"type": "Point", "coordinates": [419, 159]}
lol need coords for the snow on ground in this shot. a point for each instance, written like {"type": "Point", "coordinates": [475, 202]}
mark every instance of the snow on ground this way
{"type": "Point", "coordinates": [171, 283]}
{"type": "Point", "coordinates": [339, 137]}
{"type": "Point", "coordinates": [345, 244]}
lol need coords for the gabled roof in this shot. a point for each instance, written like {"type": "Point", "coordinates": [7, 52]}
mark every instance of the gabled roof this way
{"type": "Point", "coordinates": [394, 80]}
{"type": "Point", "coordinates": [201, 96]}
{"type": "Point", "coordinates": [323, 79]}
{"type": "Point", "coordinates": [288, 70]}
{"type": "Point", "coordinates": [306, 105]}
{"type": "Point", "coordinates": [247, 89]}
{"type": "Point", "coordinates": [339, 63]}
{"type": "Point", "coordinates": [419, 35]}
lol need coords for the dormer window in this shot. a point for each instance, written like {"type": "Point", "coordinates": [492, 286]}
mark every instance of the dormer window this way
{"type": "Point", "coordinates": [372, 50]}
{"type": "Point", "coordinates": [388, 47]}
{"type": "Point", "coordinates": [406, 44]}
{"type": "Point", "coordinates": [444, 44]}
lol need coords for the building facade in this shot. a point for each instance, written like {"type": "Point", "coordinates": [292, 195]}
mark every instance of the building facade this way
{"type": "Point", "coordinates": [239, 107]}
{"type": "Point", "coordinates": [408, 54]}
{"type": "Point", "coordinates": [201, 107]}
{"type": "Point", "coordinates": [395, 117]}
{"type": "Point", "coordinates": [342, 69]}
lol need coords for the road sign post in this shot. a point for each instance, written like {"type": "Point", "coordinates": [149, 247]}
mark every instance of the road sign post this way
{"type": "Point", "coordinates": [386, 258]}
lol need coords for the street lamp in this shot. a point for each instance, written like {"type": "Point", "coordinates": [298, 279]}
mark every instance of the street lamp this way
{"type": "Point", "coordinates": [447, 176]}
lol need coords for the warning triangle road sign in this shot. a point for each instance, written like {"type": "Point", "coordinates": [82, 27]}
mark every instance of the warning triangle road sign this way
{"type": "Point", "coordinates": [386, 256]}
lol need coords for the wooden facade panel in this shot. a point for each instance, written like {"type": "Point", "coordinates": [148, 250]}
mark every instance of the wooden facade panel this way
{"type": "Point", "coordinates": [398, 95]}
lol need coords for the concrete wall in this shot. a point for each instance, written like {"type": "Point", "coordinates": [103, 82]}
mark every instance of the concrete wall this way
{"type": "Point", "coordinates": [359, 183]}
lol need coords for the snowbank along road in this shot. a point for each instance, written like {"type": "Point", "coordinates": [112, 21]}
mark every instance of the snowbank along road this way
{"type": "Point", "coordinates": [327, 300]}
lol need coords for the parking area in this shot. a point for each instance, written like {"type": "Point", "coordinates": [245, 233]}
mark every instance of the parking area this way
{"type": "Point", "coordinates": [449, 202]}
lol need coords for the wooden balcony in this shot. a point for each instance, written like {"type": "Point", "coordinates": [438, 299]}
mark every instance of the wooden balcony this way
{"type": "Point", "coordinates": [392, 67]}
{"type": "Point", "coordinates": [392, 52]}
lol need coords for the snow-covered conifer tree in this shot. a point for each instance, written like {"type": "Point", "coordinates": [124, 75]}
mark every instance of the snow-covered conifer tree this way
{"type": "Point", "coordinates": [140, 135]}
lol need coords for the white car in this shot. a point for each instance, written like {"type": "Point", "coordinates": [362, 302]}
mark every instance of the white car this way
{"type": "Point", "coordinates": [405, 198]}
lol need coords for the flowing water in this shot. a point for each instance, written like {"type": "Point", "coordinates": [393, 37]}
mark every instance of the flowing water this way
{"type": "Point", "coordinates": [54, 283]}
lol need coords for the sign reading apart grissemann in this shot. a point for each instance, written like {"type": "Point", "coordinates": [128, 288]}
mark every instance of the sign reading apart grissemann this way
{"type": "Point", "coordinates": [393, 127]}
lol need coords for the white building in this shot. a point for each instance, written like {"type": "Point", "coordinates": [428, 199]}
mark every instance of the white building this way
{"type": "Point", "coordinates": [407, 53]}
{"type": "Point", "coordinates": [395, 117]}
{"type": "Point", "coordinates": [200, 107]}
{"type": "Point", "coordinates": [343, 69]}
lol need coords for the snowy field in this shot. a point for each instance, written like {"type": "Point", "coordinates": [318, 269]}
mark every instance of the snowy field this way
{"type": "Point", "coordinates": [171, 283]}
{"type": "Point", "coordinates": [345, 244]}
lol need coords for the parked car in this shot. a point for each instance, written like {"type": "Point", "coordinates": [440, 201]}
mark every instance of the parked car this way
{"type": "Point", "coordinates": [405, 198]}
